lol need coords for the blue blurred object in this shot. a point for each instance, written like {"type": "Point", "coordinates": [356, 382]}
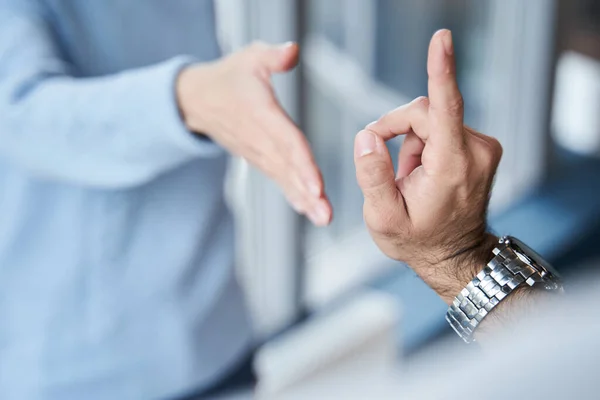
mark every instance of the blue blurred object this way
{"type": "Point", "coordinates": [116, 245]}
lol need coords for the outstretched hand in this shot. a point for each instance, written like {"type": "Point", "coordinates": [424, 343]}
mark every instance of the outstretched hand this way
{"type": "Point", "coordinates": [232, 101]}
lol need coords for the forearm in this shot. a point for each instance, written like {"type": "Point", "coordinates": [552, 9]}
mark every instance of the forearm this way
{"type": "Point", "coordinates": [110, 131]}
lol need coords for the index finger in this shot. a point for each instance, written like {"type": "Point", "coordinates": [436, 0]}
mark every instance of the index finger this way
{"type": "Point", "coordinates": [292, 145]}
{"type": "Point", "coordinates": [446, 108]}
{"type": "Point", "coordinates": [295, 148]}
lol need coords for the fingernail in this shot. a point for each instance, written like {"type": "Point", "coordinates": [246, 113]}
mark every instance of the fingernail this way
{"type": "Point", "coordinates": [319, 215]}
{"type": "Point", "coordinates": [322, 214]}
{"type": "Point", "coordinates": [312, 215]}
{"type": "Point", "coordinates": [365, 143]}
{"type": "Point", "coordinates": [370, 124]}
{"type": "Point", "coordinates": [287, 44]}
{"type": "Point", "coordinates": [447, 41]}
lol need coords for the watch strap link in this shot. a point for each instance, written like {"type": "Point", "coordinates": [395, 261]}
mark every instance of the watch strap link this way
{"type": "Point", "coordinates": [500, 277]}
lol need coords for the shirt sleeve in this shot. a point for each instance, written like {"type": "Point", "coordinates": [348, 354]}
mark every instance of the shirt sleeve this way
{"type": "Point", "coordinates": [111, 131]}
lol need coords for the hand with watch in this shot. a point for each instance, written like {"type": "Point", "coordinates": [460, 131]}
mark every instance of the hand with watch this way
{"type": "Point", "coordinates": [431, 214]}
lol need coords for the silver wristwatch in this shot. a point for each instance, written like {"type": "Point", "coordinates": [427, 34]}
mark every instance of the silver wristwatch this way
{"type": "Point", "coordinates": [514, 264]}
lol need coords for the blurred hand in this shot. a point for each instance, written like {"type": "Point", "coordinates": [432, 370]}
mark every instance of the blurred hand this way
{"type": "Point", "coordinates": [434, 209]}
{"type": "Point", "coordinates": [232, 102]}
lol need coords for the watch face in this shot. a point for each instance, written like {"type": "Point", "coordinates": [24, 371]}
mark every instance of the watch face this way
{"type": "Point", "coordinates": [527, 254]}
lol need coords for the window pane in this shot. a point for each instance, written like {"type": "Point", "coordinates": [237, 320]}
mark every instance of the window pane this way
{"type": "Point", "coordinates": [326, 18]}
{"type": "Point", "coordinates": [331, 132]}
{"type": "Point", "coordinates": [323, 126]}
{"type": "Point", "coordinates": [403, 31]}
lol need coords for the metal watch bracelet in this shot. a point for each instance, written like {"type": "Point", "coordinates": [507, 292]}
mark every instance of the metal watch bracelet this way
{"type": "Point", "coordinates": [500, 277]}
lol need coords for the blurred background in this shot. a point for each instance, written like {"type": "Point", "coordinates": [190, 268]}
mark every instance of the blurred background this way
{"type": "Point", "coordinates": [530, 75]}
{"type": "Point", "coordinates": [328, 307]}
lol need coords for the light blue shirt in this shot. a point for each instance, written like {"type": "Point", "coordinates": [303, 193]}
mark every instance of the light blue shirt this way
{"type": "Point", "coordinates": [116, 246]}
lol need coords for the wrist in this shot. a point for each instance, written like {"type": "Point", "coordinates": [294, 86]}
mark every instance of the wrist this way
{"type": "Point", "coordinates": [189, 98]}
{"type": "Point", "coordinates": [448, 277]}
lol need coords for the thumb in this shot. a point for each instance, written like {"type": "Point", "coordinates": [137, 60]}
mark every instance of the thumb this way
{"type": "Point", "coordinates": [281, 58]}
{"type": "Point", "coordinates": [374, 170]}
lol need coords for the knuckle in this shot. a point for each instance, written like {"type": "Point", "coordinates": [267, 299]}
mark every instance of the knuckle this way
{"type": "Point", "coordinates": [491, 153]}
{"type": "Point", "coordinates": [421, 101]}
{"type": "Point", "coordinates": [489, 162]}
{"type": "Point", "coordinates": [454, 106]}
{"type": "Point", "coordinates": [419, 112]}
{"type": "Point", "coordinates": [419, 106]}
{"type": "Point", "coordinates": [497, 148]}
